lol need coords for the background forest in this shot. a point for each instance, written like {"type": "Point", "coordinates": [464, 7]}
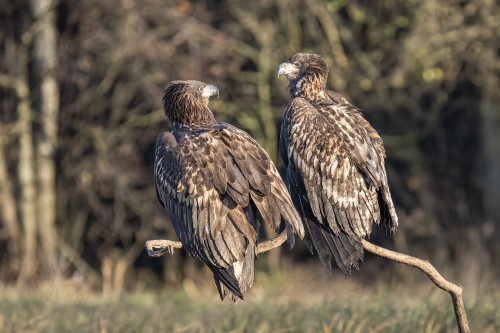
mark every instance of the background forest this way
{"type": "Point", "coordinates": [80, 109]}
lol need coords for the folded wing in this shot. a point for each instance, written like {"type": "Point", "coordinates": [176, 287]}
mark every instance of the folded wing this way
{"type": "Point", "coordinates": [218, 186]}
{"type": "Point", "coordinates": [335, 168]}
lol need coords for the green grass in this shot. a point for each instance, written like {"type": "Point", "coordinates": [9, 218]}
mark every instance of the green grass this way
{"type": "Point", "coordinates": [275, 304]}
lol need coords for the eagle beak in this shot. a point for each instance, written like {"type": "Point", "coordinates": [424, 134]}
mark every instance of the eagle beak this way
{"type": "Point", "coordinates": [286, 69]}
{"type": "Point", "coordinates": [210, 90]}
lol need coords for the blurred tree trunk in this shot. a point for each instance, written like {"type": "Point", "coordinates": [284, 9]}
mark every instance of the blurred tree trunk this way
{"type": "Point", "coordinates": [26, 171]}
{"type": "Point", "coordinates": [490, 115]}
{"type": "Point", "coordinates": [8, 212]}
{"type": "Point", "coordinates": [491, 140]}
{"type": "Point", "coordinates": [45, 57]}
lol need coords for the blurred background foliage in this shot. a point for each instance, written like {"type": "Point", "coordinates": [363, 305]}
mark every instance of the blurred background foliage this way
{"type": "Point", "coordinates": [80, 108]}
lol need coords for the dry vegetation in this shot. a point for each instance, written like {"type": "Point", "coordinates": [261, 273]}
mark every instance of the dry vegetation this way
{"type": "Point", "coordinates": [278, 303]}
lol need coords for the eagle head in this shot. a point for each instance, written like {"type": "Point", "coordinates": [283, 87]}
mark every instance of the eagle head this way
{"type": "Point", "coordinates": [186, 103]}
{"type": "Point", "coordinates": [305, 72]}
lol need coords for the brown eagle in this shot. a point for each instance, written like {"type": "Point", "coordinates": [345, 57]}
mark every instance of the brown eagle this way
{"type": "Point", "coordinates": [335, 165]}
{"type": "Point", "coordinates": [218, 185]}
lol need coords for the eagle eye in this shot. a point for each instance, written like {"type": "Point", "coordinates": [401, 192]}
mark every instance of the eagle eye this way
{"type": "Point", "coordinates": [296, 63]}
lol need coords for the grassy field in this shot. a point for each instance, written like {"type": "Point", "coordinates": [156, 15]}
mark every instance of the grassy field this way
{"type": "Point", "coordinates": [275, 304]}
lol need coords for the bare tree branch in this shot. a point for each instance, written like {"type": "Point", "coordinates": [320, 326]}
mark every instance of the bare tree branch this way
{"type": "Point", "coordinates": [426, 267]}
{"type": "Point", "coordinates": [162, 246]}
{"type": "Point", "coordinates": [159, 247]}
{"type": "Point", "coordinates": [68, 252]}
{"type": "Point", "coordinates": [272, 243]}
{"type": "Point", "coordinates": [7, 81]}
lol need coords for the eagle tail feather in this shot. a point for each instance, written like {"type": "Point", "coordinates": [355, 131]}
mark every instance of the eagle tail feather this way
{"type": "Point", "coordinates": [244, 269]}
{"type": "Point", "coordinates": [226, 283]}
{"type": "Point", "coordinates": [388, 217]}
{"type": "Point", "coordinates": [345, 250]}
{"type": "Point", "coordinates": [234, 281]}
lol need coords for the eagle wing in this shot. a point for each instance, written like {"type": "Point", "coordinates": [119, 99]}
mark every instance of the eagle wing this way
{"type": "Point", "coordinates": [336, 177]}
{"type": "Point", "coordinates": [336, 97]}
{"type": "Point", "coordinates": [217, 185]}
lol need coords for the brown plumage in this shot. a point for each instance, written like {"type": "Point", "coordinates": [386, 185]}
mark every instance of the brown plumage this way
{"type": "Point", "coordinates": [217, 184]}
{"type": "Point", "coordinates": [335, 165]}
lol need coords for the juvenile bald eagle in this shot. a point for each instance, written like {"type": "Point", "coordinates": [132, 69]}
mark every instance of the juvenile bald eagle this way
{"type": "Point", "coordinates": [335, 165]}
{"type": "Point", "coordinates": [218, 185]}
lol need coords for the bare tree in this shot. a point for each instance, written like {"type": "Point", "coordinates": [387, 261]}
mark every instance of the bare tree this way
{"type": "Point", "coordinates": [46, 63]}
{"type": "Point", "coordinates": [26, 171]}
{"type": "Point", "coordinates": [8, 208]}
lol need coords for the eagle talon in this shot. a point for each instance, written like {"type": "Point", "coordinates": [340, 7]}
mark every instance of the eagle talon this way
{"type": "Point", "coordinates": [161, 251]}
{"type": "Point", "coordinates": [158, 247]}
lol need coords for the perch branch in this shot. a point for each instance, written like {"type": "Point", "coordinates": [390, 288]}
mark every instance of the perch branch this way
{"type": "Point", "coordinates": [426, 267]}
{"type": "Point", "coordinates": [272, 243]}
{"type": "Point", "coordinates": [159, 247]}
